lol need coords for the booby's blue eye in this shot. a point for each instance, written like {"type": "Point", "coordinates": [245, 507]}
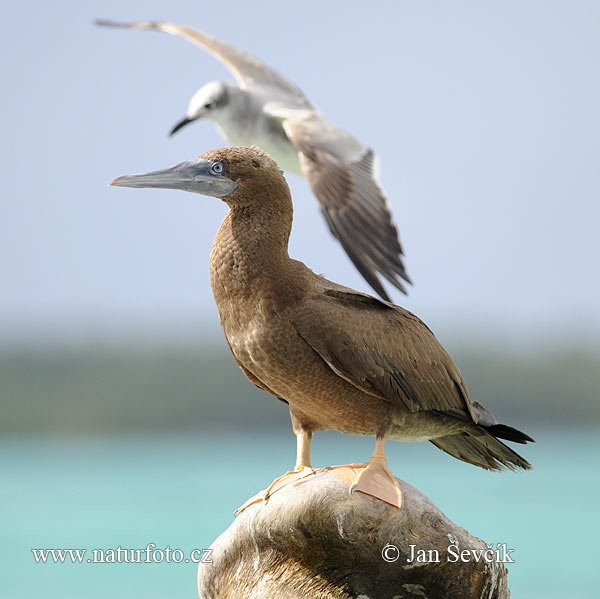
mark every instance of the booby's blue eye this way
{"type": "Point", "coordinates": [217, 168]}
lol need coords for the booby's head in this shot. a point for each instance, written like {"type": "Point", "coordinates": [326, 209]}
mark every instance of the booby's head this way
{"type": "Point", "coordinates": [209, 101]}
{"type": "Point", "coordinates": [241, 176]}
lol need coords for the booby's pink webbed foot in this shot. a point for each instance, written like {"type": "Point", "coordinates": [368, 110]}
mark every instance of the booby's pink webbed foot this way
{"type": "Point", "coordinates": [279, 483]}
{"type": "Point", "coordinates": [373, 478]}
{"type": "Point", "coordinates": [287, 479]}
{"type": "Point", "coordinates": [377, 481]}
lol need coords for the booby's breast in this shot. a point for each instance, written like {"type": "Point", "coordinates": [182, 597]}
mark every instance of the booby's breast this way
{"type": "Point", "coordinates": [272, 351]}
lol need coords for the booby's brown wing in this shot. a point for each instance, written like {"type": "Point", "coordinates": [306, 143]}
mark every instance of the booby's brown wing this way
{"type": "Point", "coordinates": [390, 354]}
{"type": "Point", "coordinates": [383, 350]}
{"type": "Point", "coordinates": [246, 69]}
{"type": "Point", "coordinates": [341, 172]}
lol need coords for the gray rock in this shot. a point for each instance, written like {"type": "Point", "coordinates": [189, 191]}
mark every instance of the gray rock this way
{"type": "Point", "coordinates": [315, 540]}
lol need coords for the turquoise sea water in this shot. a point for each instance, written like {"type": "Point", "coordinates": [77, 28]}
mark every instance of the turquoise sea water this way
{"type": "Point", "coordinates": [181, 491]}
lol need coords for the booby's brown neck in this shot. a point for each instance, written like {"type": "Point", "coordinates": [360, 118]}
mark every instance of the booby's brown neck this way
{"type": "Point", "coordinates": [249, 257]}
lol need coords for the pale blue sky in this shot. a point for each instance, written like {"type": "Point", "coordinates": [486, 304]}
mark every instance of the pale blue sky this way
{"type": "Point", "coordinates": [484, 115]}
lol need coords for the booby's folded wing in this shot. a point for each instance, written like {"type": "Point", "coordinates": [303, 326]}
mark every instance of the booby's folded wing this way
{"type": "Point", "coordinates": [246, 69]}
{"type": "Point", "coordinates": [342, 173]}
{"type": "Point", "coordinates": [383, 350]}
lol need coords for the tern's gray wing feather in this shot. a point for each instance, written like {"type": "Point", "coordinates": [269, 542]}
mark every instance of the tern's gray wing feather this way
{"type": "Point", "coordinates": [246, 69]}
{"type": "Point", "coordinates": [341, 172]}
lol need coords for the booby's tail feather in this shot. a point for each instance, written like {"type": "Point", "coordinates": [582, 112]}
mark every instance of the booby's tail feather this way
{"type": "Point", "coordinates": [503, 431]}
{"type": "Point", "coordinates": [481, 448]}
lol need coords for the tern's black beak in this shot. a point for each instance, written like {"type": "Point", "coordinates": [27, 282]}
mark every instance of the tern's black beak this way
{"type": "Point", "coordinates": [181, 124]}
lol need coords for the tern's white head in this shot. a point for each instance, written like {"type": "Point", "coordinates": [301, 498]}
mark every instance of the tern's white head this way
{"type": "Point", "coordinates": [209, 101]}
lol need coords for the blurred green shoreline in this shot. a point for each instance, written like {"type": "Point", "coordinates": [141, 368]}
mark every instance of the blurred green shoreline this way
{"type": "Point", "coordinates": [91, 389]}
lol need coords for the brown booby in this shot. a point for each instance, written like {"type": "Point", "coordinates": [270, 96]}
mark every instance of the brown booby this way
{"type": "Point", "coordinates": [341, 359]}
{"type": "Point", "coordinates": [267, 110]}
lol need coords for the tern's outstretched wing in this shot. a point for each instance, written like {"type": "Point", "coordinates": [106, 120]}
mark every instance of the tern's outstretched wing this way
{"type": "Point", "coordinates": [246, 69]}
{"type": "Point", "coordinates": [341, 172]}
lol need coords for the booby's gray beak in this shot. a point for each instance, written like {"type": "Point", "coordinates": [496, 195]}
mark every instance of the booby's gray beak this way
{"type": "Point", "coordinates": [182, 123]}
{"type": "Point", "coordinates": [197, 176]}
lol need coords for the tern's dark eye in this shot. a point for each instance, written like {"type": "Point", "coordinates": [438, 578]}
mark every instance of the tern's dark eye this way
{"type": "Point", "coordinates": [208, 105]}
{"type": "Point", "coordinates": [217, 168]}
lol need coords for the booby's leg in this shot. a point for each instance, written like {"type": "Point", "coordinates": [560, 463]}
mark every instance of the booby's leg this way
{"type": "Point", "coordinates": [377, 480]}
{"type": "Point", "coordinates": [303, 441]}
{"type": "Point", "coordinates": [302, 469]}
